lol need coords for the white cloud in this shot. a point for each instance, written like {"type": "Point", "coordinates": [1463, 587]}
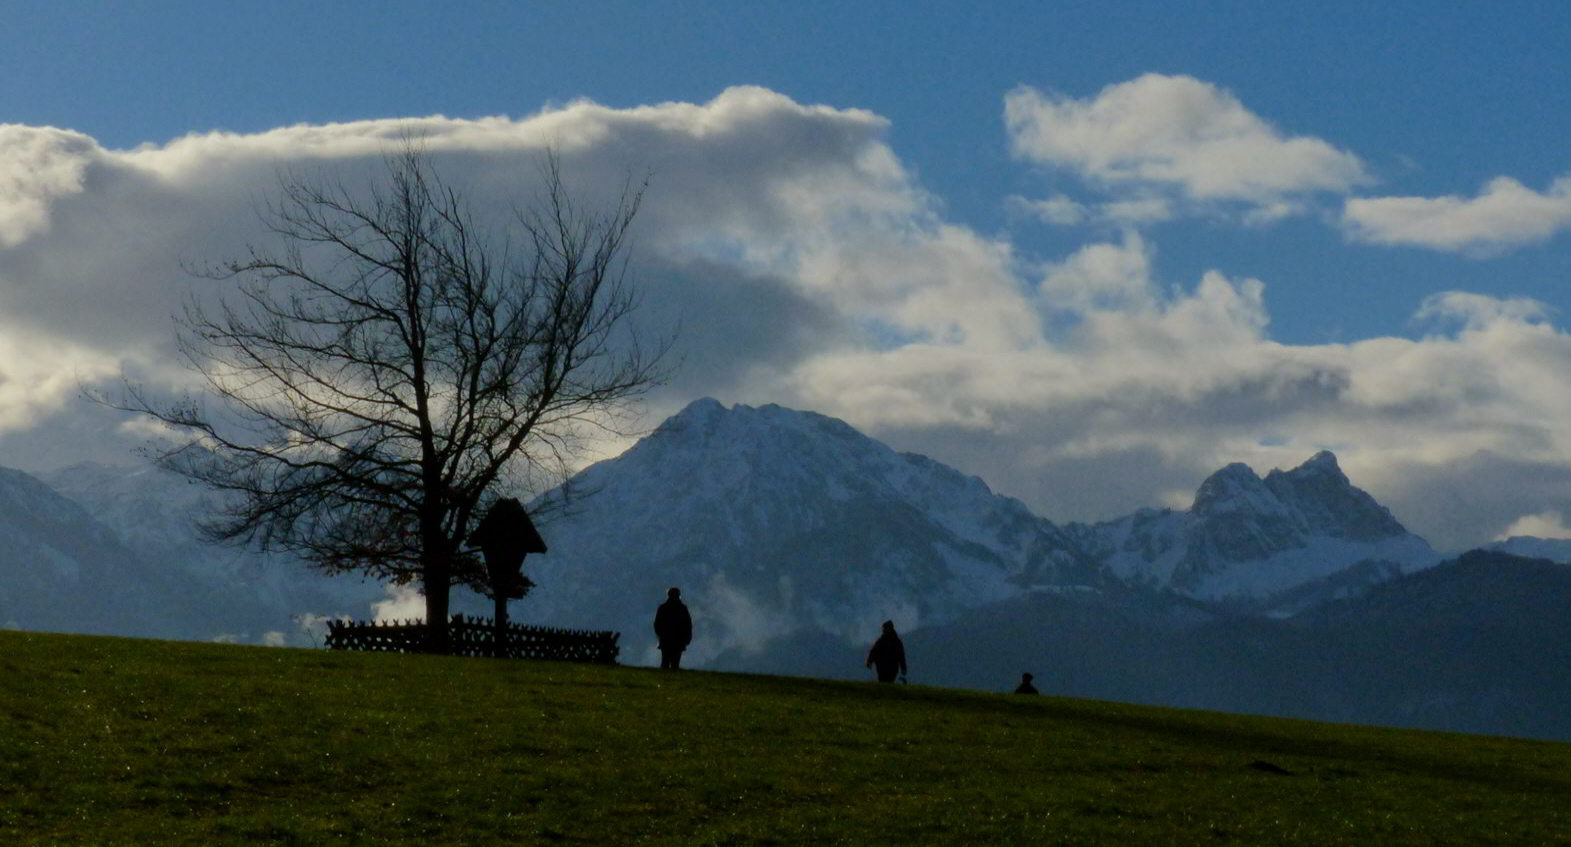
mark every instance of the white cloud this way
{"type": "Point", "coordinates": [1063, 210]}
{"type": "Point", "coordinates": [1179, 134]}
{"type": "Point", "coordinates": [39, 370]}
{"type": "Point", "coordinates": [1102, 277]}
{"type": "Point", "coordinates": [1059, 209]}
{"type": "Point", "coordinates": [1138, 210]}
{"type": "Point", "coordinates": [1477, 311]}
{"type": "Point", "coordinates": [1504, 215]}
{"type": "Point", "coordinates": [39, 165]}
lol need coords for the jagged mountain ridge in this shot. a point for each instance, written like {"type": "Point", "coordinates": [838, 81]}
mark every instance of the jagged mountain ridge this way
{"type": "Point", "coordinates": [1478, 643]}
{"type": "Point", "coordinates": [1251, 539]}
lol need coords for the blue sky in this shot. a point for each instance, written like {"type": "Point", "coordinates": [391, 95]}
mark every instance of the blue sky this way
{"type": "Point", "coordinates": [1437, 98]}
{"type": "Point", "coordinates": [1347, 175]}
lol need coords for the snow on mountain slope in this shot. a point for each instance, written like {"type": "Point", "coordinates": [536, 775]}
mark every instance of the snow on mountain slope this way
{"type": "Point", "coordinates": [256, 597]}
{"type": "Point", "coordinates": [773, 520]}
{"type": "Point", "coordinates": [61, 570]}
{"type": "Point", "coordinates": [1251, 538]}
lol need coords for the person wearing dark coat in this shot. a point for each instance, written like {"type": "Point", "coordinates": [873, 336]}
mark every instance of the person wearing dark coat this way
{"type": "Point", "coordinates": [888, 655]}
{"type": "Point", "coordinates": [673, 629]}
{"type": "Point", "coordinates": [1025, 686]}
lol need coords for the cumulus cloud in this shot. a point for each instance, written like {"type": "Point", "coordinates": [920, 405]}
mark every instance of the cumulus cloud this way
{"type": "Point", "coordinates": [1476, 311]}
{"type": "Point", "coordinates": [807, 266]}
{"type": "Point", "coordinates": [1503, 216]}
{"type": "Point", "coordinates": [1180, 135]}
{"type": "Point", "coordinates": [39, 165]}
{"type": "Point", "coordinates": [1133, 391]}
{"type": "Point", "coordinates": [1063, 210]}
{"type": "Point", "coordinates": [748, 192]}
{"type": "Point", "coordinates": [1060, 209]}
{"type": "Point", "coordinates": [33, 379]}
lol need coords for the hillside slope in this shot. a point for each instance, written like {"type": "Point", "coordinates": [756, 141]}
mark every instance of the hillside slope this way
{"type": "Point", "coordinates": [126, 742]}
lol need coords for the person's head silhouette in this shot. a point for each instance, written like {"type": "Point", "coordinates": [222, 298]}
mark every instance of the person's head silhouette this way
{"type": "Point", "coordinates": [674, 592]}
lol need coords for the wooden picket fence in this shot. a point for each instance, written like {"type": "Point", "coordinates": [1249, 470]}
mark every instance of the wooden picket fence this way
{"type": "Point", "coordinates": [472, 636]}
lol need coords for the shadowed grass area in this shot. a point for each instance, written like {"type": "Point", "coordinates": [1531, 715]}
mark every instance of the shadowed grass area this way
{"type": "Point", "coordinates": [128, 742]}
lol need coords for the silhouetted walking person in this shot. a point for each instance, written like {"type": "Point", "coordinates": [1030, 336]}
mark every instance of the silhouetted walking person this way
{"type": "Point", "coordinates": [1025, 686]}
{"type": "Point", "coordinates": [888, 655]}
{"type": "Point", "coordinates": [673, 629]}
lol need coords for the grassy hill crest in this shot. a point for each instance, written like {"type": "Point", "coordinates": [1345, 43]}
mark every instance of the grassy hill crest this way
{"type": "Point", "coordinates": [111, 741]}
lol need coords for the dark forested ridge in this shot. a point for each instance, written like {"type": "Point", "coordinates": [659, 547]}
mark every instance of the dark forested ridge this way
{"type": "Point", "coordinates": [1479, 644]}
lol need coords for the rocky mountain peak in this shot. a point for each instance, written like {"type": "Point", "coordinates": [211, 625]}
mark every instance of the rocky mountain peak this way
{"type": "Point", "coordinates": [1250, 536]}
{"type": "Point", "coordinates": [1315, 498]}
{"type": "Point", "coordinates": [1325, 502]}
{"type": "Point", "coordinates": [1233, 488]}
{"type": "Point", "coordinates": [701, 414]}
{"type": "Point", "coordinates": [1322, 462]}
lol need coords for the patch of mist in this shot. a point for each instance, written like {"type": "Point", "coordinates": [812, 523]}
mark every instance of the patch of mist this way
{"type": "Point", "coordinates": [314, 627]}
{"type": "Point", "coordinates": [727, 617]}
{"type": "Point", "coordinates": [1550, 524]}
{"type": "Point", "coordinates": [403, 603]}
{"type": "Point", "coordinates": [865, 626]}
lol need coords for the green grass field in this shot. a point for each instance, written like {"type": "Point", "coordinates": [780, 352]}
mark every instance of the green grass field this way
{"type": "Point", "coordinates": [127, 742]}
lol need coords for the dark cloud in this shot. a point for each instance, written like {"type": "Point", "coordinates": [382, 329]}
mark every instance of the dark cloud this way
{"type": "Point", "coordinates": [735, 334]}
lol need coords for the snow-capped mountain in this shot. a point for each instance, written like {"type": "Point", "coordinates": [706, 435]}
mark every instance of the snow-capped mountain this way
{"type": "Point", "coordinates": [773, 520]}
{"type": "Point", "coordinates": [1252, 540]}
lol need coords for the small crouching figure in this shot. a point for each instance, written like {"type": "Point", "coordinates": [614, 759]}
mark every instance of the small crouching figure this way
{"type": "Point", "coordinates": [673, 629]}
{"type": "Point", "coordinates": [1025, 686]}
{"type": "Point", "coordinates": [888, 655]}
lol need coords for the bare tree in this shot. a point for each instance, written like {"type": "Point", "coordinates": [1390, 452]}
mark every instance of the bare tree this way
{"type": "Point", "coordinates": [393, 368]}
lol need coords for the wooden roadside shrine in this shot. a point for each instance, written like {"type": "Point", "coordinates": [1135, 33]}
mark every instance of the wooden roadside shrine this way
{"type": "Point", "coordinates": [505, 536]}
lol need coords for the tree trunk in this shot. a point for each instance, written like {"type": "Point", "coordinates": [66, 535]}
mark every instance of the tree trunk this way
{"type": "Point", "coordinates": [501, 624]}
{"type": "Point", "coordinates": [436, 609]}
